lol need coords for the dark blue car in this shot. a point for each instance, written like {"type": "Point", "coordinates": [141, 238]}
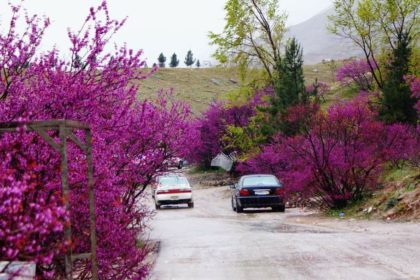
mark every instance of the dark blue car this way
{"type": "Point", "coordinates": [258, 191]}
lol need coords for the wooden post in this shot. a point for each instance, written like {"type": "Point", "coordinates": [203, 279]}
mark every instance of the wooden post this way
{"type": "Point", "coordinates": [66, 196]}
{"type": "Point", "coordinates": [91, 204]}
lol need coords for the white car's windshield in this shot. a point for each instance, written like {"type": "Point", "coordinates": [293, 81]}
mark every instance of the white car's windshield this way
{"type": "Point", "coordinates": [172, 181]}
{"type": "Point", "coordinates": [260, 181]}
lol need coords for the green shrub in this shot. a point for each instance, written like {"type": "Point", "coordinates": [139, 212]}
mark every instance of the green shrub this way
{"type": "Point", "coordinates": [391, 203]}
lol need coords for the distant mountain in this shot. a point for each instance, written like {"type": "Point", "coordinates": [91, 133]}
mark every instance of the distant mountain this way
{"type": "Point", "coordinates": [318, 43]}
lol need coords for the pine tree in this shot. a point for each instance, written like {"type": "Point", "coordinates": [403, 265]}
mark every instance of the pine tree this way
{"type": "Point", "coordinates": [289, 88]}
{"type": "Point", "coordinates": [174, 61]}
{"type": "Point", "coordinates": [290, 84]}
{"type": "Point", "coordinates": [189, 59]}
{"type": "Point", "coordinates": [162, 60]}
{"type": "Point", "coordinates": [397, 102]}
{"type": "Point", "coordinates": [198, 64]}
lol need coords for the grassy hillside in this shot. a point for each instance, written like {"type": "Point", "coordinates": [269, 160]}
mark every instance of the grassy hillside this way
{"type": "Point", "coordinates": [199, 87]}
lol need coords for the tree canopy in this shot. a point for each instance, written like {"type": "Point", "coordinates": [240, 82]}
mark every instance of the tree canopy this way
{"type": "Point", "coordinates": [253, 32]}
{"type": "Point", "coordinates": [375, 26]}
{"type": "Point", "coordinates": [189, 58]}
{"type": "Point", "coordinates": [162, 60]}
{"type": "Point", "coordinates": [174, 61]}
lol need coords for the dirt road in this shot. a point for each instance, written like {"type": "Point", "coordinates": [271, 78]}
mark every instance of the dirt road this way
{"type": "Point", "coordinates": [213, 242]}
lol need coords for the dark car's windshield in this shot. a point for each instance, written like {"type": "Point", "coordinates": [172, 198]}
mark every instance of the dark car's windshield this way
{"type": "Point", "coordinates": [260, 181]}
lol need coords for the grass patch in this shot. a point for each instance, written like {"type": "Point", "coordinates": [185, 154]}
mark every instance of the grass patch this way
{"type": "Point", "coordinates": [324, 72]}
{"type": "Point", "coordinates": [199, 87]}
{"type": "Point", "coordinates": [203, 170]}
{"type": "Point", "coordinates": [403, 174]}
{"type": "Point", "coordinates": [348, 92]}
{"type": "Point", "coordinates": [410, 187]}
{"type": "Point", "coordinates": [339, 93]}
{"type": "Point", "coordinates": [351, 210]}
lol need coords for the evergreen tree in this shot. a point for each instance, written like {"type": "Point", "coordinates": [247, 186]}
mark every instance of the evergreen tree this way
{"type": "Point", "coordinates": [162, 60]}
{"type": "Point", "coordinates": [289, 88]}
{"type": "Point", "coordinates": [290, 84]}
{"type": "Point", "coordinates": [189, 59]}
{"type": "Point", "coordinates": [397, 102]}
{"type": "Point", "coordinates": [174, 61]}
{"type": "Point", "coordinates": [198, 64]}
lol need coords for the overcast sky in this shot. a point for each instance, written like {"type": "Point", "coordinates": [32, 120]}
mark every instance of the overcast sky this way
{"type": "Point", "coordinates": [155, 26]}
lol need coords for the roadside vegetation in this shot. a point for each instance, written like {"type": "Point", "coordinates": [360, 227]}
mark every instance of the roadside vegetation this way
{"type": "Point", "coordinates": [397, 196]}
{"type": "Point", "coordinates": [133, 140]}
{"type": "Point", "coordinates": [345, 135]}
{"type": "Point", "coordinates": [330, 142]}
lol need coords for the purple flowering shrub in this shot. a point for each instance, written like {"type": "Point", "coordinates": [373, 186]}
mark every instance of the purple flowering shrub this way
{"type": "Point", "coordinates": [318, 89]}
{"type": "Point", "coordinates": [213, 124]}
{"type": "Point", "coordinates": [338, 156]}
{"type": "Point", "coordinates": [357, 71]}
{"type": "Point", "coordinates": [32, 214]}
{"type": "Point", "coordinates": [132, 141]}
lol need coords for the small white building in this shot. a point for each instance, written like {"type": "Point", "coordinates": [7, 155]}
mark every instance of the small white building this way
{"type": "Point", "coordinates": [223, 161]}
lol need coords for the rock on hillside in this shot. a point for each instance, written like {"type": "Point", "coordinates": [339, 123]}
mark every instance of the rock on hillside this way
{"type": "Point", "coordinates": [318, 43]}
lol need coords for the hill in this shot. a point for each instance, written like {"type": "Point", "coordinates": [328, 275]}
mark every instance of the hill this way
{"type": "Point", "coordinates": [199, 87]}
{"type": "Point", "coordinates": [318, 43]}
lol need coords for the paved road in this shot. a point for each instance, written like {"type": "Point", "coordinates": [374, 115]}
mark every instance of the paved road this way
{"type": "Point", "coordinates": [212, 242]}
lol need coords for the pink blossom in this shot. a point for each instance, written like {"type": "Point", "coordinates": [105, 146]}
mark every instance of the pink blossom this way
{"type": "Point", "coordinates": [357, 71]}
{"type": "Point", "coordinates": [132, 140]}
{"type": "Point", "coordinates": [339, 155]}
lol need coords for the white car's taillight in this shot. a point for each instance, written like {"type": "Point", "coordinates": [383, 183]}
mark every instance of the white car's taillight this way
{"type": "Point", "coordinates": [171, 191]}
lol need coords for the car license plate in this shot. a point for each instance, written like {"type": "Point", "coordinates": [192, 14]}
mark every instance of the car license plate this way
{"type": "Point", "coordinates": [262, 192]}
{"type": "Point", "coordinates": [174, 197]}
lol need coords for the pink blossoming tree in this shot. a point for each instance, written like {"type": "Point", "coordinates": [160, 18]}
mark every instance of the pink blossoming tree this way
{"type": "Point", "coordinates": [338, 155]}
{"type": "Point", "coordinates": [357, 71]}
{"type": "Point", "coordinates": [132, 140]}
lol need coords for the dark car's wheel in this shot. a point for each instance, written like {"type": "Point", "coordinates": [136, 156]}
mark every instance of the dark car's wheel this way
{"type": "Point", "coordinates": [233, 204]}
{"type": "Point", "coordinates": [239, 209]}
{"type": "Point", "coordinates": [180, 164]}
{"type": "Point", "coordinates": [190, 204]}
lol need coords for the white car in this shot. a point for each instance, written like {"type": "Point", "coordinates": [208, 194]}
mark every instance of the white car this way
{"type": "Point", "coordinates": [172, 189]}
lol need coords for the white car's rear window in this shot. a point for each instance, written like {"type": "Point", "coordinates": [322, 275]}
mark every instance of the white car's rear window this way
{"type": "Point", "coordinates": [172, 181]}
